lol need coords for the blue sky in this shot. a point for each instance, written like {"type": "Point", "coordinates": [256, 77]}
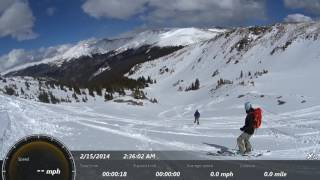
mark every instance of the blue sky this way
{"type": "Point", "coordinates": [54, 22]}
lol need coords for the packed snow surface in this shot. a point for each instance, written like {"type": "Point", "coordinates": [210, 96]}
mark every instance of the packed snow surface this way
{"type": "Point", "coordinates": [101, 126]}
{"type": "Point", "coordinates": [5, 124]}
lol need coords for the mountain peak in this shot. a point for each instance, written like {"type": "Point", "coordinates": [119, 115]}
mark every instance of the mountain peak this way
{"type": "Point", "coordinates": [59, 54]}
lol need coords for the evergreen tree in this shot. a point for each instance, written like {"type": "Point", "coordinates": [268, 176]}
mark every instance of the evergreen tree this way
{"type": "Point", "coordinates": [197, 84]}
{"type": "Point", "coordinates": [241, 74]}
{"type": "Point", "coordinates": [68, 99]}
{"type": "Point", "coordinates": [74, 95]}
{"type": "Point", "coordinates": [149, 80]}
{"type": "Point", "coordinates": [9, 91]}
{"type": "Point", "coordinates": [138, 94]}
{"type": "Point", "coordinates": [91, 93]}
{"type": "Point", "coordinates": [121, 92]}
{"type": "Point", "coordinates": [63, 88]}
{"type": "Point", "coordinates": [77, 90]}
{"type": "Point", "coordinates": [99, 91]}
{"type": "Point", "coordinates": [154, 100]}
{"type": "Point", "coordinates": [84, 99]}
{"type": "Point", "coordinates": [52, 85]}
{"type": "Point", "coordinates": [27, 85]}
{"type": "Point", "coordinates": [44, 97]}
{"type": "Point", "coordinates": [53, 99]}
{"type": "Point", "coordinates": [22, 91]}
{"type": "Point", "coordinates": [108, 97]}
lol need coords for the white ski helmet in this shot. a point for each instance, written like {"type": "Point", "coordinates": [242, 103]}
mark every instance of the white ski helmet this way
{"type": "Point", "coordinates": [247, 106]}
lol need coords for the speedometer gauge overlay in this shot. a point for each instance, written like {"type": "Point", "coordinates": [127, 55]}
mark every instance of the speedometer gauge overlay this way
{"type": "Point", "coordinates": [38, 157]}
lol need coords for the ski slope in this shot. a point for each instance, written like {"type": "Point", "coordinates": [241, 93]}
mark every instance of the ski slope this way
{"type": "Point", "coordinates": [5, 126]}
{"type": "Point", "coordinates": [101, 126]}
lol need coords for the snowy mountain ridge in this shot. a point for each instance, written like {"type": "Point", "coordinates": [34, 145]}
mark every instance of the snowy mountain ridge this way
{"type": "Point", "coordinates": [161, 38]}
{"type": "Point", "coordinates": [172, 37]}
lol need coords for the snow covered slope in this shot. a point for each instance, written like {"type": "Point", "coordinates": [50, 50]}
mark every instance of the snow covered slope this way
{"type": "Point", "coordinates": [162, 38]}
{"type": "Point", "coordinates": [275, 68]}
{"type": "Point", "coordinates": [281, 60]}
{"type": "Point", "coordinates": [172, 37]}
{"type": "Point", "coordinates": [5, 126]}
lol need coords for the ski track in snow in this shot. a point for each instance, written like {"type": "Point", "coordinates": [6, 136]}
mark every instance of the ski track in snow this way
{"type": "Point", "coordinates": [289, 135]}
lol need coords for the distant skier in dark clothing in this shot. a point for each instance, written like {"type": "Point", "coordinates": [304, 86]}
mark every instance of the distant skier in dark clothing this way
{"type": "Point", "coordinates": [248, 130]}
{"type": "Point", "coordinates": [196, 117]}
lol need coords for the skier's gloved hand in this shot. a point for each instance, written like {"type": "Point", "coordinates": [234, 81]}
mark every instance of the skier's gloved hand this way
{"type": "Point", "coordinates": [241, 129]}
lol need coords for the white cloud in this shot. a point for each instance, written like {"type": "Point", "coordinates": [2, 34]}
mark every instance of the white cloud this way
{"type": "Point", "coordinates": [18, 57]}
{"type": "Point", "coordinates": [119, 9]}
{"type": "Point", "coordinates": [16, 20]}
{"type": "Point", "coordinates": [13, 58]}
{"type": "Point", "coordinates": [179, 12]}
{"type": "Point", "coordinates": [297, 18]}
{"type": "Point", "coordinates": [312, 6]}
{"type": "Point", "coordinates": [5, 4]}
